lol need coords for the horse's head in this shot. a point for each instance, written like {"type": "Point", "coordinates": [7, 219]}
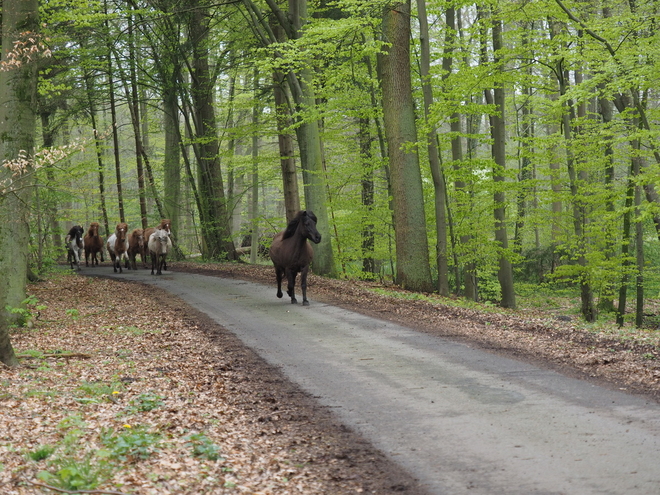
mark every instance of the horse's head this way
{"type": "Point", "coordinates": [93, 229]}
{"type": "Point", "coordinates": [159, 241]}
{"type": "Point", "coordinates": [76, 233]}
{"type": "Point", "coordinates": [121, 230]}
{"type": "Point", "coordinates": [308, 224]}
{"type": "Point", "coordinates": [138, 237]}
{"type": "Point", "coordinates": [166, 224]}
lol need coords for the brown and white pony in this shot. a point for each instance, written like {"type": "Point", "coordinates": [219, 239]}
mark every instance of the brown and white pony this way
{"type": "Point", "coordinates": [159, 245]}
{"type": "Point", "coordinates": [75, 245]}
{"type": "Point", "coordinates": [93, 244]}
{"type": "Point", "coordinates": [136, 245]}
{"type": "Point", "coordinates": [166, 225]}
{"type": "Point", "coordinates": [118, 246]}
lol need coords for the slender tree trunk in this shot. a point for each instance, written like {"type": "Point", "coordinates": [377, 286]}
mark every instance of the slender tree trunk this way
{"type": "Point", "coordinates": [498, 131]}
{"type": "Point", "coordinates": [625, 250]}
{"type": "Point", "coordinates": [115, 132]}
{"type": "Point", "coordinates": [50, 205]}
{"type": "Point", "coordinates": [254, 200]}
{"type": "Point", "coordinates": [639, 247]}
{"type": "Point", "coordinates": [213, 215]}
{"type": "Point", "coordinates": [526, 135]}
{"type": "Point", "coordinates": [367, 183]}
{"type": "Point", "coordinates": [171, 160]}
{"type": "Point", "coordinates": [98, 148]}
{"type": "Point", "coordinates": [285, 141]}
{"type": "Point", "coordinates": [134, 105]}
{"type": "Point", "coordinates": [309, 143]}
{"type": "Point", "coordinates": [18, 95]}
{"type": "Point", "coordinates": [453, 19]}
{"type": "Point", "coordinates": [434, 155]}
{"type": "Point", "coordinates": [413, 270]}
{"type": "Point", "coordinates": [606, 109]}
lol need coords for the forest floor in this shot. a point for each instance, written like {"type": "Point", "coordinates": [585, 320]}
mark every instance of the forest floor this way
{"type": "Point", "coordinates": [123, 388]}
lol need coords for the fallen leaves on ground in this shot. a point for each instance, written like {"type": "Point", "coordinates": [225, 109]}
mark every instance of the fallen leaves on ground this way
{"type": "Point", "coordinates": [124, 389]}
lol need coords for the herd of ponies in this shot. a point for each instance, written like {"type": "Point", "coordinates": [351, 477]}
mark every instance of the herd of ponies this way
{"type": "Point", "coordinates": [122, 246]}
{"type": "Point", "coordinates": [290, 252]}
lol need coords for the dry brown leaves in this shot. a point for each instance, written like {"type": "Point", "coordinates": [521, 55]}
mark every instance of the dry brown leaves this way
{"type": "Point", "coordinates": [127, 346]}
{"type": "Point", "coordinates": [133, 347]}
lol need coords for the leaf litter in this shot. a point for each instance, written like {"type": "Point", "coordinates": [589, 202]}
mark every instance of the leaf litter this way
{"type": "Point", "coordinates": [124, 389]}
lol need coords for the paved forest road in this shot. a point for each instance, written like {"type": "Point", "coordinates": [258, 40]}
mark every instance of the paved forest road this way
{"type": "Point", "coordinates": [461, 420]}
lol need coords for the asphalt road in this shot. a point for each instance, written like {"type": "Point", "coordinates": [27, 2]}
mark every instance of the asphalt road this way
{"type": "Point", "coordinates": [462, 420]}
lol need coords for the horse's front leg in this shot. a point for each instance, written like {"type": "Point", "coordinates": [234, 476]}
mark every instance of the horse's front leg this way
{"type": "Point", "coordinates": [303, 284]}
{"type": "Point", "coordinates": [291, 284]}
{"type": "Point", "coordinates": [279, 274]}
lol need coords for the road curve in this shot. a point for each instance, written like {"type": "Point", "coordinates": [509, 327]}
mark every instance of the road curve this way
{"type": "Point", "coordinates": [460, 419]}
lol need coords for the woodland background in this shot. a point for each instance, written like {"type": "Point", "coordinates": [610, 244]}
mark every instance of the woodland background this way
{"type": "Point", "coordinates": [477, 149]}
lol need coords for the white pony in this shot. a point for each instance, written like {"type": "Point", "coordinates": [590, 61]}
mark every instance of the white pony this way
{"type": "Point", "coordinates": [159, 244]}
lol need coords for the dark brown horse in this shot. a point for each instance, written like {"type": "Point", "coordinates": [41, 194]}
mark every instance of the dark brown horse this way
{"type": "Point", "coordinates": [93, 244]}
{"type": "Point", "coordinates": [291, 253]}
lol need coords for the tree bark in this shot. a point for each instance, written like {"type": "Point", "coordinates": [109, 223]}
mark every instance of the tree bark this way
{"type": "Point", "coordinates": [498, 132]}
{"type": "Point", "coordinates": [413, 270]}
{"type": "Point", "coordinates": [309, 143]}
{"type": "Point", "coordinates": [434, 155]}
{"type": "Point", "coordinates": [18, 86]}
{"type": "Point", "coordinates": [217, 242]}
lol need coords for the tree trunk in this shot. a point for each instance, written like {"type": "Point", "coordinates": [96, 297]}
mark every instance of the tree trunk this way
{"type": "Point", "coordinates": [172, 159]}
{"type": "Point", "coordinates": [453, 20]}
{"type": "Point", "coordinates": [413, 269]}
{"type": "Point", "coordinates": [498, 132]}
{"type": "Point", "coordinates": [115, 135]}
{"type": "Point", "coordinates": [434, 155]}
{"type": "Point", "coordinates": [254, 189]}
{"type": "Point", "coordinates": [309, 143]}
{"type": "Point", "coordinates": [18, 92]}
{"type": "Point", "coordinates": [213, 215]}
{"type": "Point", "coordinates": [285, 141]}
{"type": "Point", "coordinates": [367, 183]}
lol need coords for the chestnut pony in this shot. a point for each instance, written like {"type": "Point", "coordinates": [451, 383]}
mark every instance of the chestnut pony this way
{"type": "Point", "coordinates": [93, 244]}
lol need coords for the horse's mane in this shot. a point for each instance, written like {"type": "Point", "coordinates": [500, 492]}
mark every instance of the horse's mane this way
{"type": "Point", "coordinates": [293, 224]}
{"type": "Point", "coordinates": [76, 231]}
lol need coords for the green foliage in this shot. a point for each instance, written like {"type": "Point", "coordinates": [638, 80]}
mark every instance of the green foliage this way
{"type": "Point", "coordinates": [202, 446]}
{"type": "Point", "coordinates": [98, 389]}
{"type": "Point", "coordinates": [132, 443]}
{"type": "Point", "coordinates": [73, 313]}
{"type": "Point", "coordinates": [489, 288]}
{"type": "Point", "coordinates": [41, 453]}
{"type": "Point", "coordinates": [24, 316]}
{"type": "Point", "coordinates": [144, 403]}
{"type": "Point", "coordinates": [76, 475]}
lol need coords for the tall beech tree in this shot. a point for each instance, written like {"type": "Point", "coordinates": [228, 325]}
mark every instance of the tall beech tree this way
{"type": "Point", "coordinates": [18, 88]}
{"type": "Point", "coordinates": [412, 253]}
{"type": "Point", "coordinates": [214, 215]}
